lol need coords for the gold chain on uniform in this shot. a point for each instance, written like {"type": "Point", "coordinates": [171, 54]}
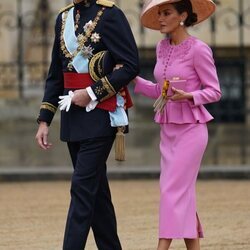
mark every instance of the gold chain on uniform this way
{"type": "Point", "coordinates": [82, 39]}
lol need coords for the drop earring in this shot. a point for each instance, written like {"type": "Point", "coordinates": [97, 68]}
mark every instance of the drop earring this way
{"type": "Point", "coordinates": [181, 23]}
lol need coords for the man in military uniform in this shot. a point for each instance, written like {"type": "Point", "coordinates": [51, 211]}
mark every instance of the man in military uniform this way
{"type": "Point", "coordinates": [88, 95]}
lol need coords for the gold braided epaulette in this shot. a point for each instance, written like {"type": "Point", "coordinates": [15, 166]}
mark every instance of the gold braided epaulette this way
{"type": "Point", "coordinates": [66, 8]}
{"type": "Point", "coordinates": [105, 3]}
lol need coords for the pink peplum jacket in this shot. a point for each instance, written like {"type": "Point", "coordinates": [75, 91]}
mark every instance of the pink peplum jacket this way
{"type": "Point", "coordinates": [193, 61]}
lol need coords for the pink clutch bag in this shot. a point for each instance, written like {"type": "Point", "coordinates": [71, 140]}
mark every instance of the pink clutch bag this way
{"type": "Point", "coordinates": [176, 83]}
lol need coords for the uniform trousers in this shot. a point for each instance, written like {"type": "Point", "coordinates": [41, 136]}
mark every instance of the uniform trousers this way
{"type": "Point", "coordinates": [91, 205]}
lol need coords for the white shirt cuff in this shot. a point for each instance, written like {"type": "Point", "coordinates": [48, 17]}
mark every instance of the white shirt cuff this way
{"type": "Point", "coordinates": [92, 104]}
{"type": "Point", "coordinates": [91, 94]}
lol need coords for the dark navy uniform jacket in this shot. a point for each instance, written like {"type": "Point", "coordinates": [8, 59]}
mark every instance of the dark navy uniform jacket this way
{"type": "Point", "coordinates": [117, 38]}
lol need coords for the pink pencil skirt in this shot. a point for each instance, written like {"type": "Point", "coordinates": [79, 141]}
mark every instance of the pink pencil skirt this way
{"type": "Point", "coordinates": [182, 147]}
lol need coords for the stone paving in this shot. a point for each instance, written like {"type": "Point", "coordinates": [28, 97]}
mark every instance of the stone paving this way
{"type": "Point", "coordinates": [32, 214]}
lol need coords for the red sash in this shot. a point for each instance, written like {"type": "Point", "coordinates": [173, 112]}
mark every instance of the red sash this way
{"type": "Point", "coordinates": [83, 80]}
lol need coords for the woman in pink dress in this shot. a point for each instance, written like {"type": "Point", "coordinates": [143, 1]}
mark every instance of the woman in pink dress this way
{"type": "Point", "coordinates": [186, 79]}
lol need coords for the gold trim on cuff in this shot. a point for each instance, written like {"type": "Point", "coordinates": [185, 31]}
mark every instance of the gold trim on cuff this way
{"type": "Point", "coordinates": [48, 106]}
{"type": "Point", "coordinates": [108, 87]}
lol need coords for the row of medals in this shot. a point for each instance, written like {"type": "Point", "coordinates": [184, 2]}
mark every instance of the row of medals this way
{"type": "Point", "coordinates": [86, 51]}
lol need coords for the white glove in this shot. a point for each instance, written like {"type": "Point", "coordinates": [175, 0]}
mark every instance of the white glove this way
{"type": "Point", "coordinates": [91, 106]}
{"type": "Point", "coordinates": [65, 102]}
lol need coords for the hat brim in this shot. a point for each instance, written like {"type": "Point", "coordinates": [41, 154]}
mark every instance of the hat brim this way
{"type": "Point", "coordinates": [149, 15]}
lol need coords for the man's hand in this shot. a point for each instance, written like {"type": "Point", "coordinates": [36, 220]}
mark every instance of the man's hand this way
{"type": "Point", "coordinates": [42, 136]}
{"type": "Point", "coordinates": [81, 98]}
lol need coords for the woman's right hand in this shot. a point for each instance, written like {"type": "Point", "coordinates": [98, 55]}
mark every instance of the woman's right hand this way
{"type": "Point", "coordinates": [117, 66]}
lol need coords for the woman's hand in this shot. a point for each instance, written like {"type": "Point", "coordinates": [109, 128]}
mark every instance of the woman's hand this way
{"type": "Point", "coordinates": [117, 66]}
{"type": "Point", "coordinates": [180, 95]}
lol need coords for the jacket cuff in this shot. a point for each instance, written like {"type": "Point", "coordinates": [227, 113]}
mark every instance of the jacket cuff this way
{"type": "Point", "coordinates": [103, 89]}
{"type": "Point", "coordinates": [47, 112]}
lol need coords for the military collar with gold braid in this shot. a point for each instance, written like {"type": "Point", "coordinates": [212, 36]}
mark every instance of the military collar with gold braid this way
{"type": "Point", "coordinates": [104, 3]}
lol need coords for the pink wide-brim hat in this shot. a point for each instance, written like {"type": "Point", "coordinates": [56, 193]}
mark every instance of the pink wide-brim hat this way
{"type": "Point", "coordinates": [149, 15]}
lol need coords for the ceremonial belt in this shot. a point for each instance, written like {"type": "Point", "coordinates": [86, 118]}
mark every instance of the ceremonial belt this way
{"type": "Point", "coordinates": [82, 81]}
